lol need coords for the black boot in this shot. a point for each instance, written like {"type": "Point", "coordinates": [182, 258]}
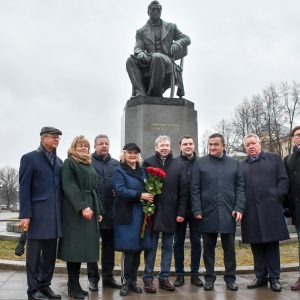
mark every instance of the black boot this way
{"type": "Point", "coordinates": [74, 289]}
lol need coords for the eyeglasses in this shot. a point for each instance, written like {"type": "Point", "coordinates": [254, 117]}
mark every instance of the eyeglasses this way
{"type": "Point", "coordinates": [296, 135]}
{"type": "Point", "coordinates": [54, 137]}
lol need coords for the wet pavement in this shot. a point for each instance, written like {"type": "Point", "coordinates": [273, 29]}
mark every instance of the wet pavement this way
{"type": "Point", "coordinates": [13, 287]}
{"type": "Point", "coordinates": [13, 283]}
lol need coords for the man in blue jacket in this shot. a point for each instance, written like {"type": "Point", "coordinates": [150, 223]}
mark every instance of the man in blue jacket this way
{"type": "Point", "coordinates": [218, 201]}
{"type": "Point", "coordinates": [40, 212]}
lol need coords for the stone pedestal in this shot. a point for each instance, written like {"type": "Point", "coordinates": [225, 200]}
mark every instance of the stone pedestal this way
{"type": "Point", "coordinates": [145, 118]}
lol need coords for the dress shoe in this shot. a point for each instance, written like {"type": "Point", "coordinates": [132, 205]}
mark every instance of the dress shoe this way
{"type": "Point", "coordinates": [124, 291]}
{"type": "Point", "coordinates": [83, 292]}
{"type": "Point", "coordinates": [148, 286]}
{"type": "Point", "coordinates": [38, 295]}
{"type": "Point", "coordinates": [134, 288]}
{"type": "Point", "coordinates": [76, 294]}
{"type": "Point", "coordinates": [93, 286]}
{"type": "Point", "coordinates": [166, 285]}
{"type": "Point", "coordinates": [231, 285]}
{"type": "Point", "coordinates": [195, 280]}
{"type": "Point", "coordinates": [208, 285]}
{"type": "Point", "coordinates": [257, 282]}
{"type": "Point", "coordinates": [111, 283]}
{"type": "Point", "coordinates": [49, 293]}
{"type": "Point", "coordinates": [179, 281]}
{"type": "Point", "coordinates": [296, 286]}
{"type": "Point", "coordinates": [275, 285]}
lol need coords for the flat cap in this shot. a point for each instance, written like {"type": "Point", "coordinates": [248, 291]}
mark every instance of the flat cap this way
{"type": "Point", "coordinates": [50, 130]}
{"type": "Point", "coordinates": [132, 146]}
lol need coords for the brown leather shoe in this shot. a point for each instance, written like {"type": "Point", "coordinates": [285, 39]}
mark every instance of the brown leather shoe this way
{"type": "Point", "coordinates": [148, 286]}
{"type": "Point", "coordinates": [166, 285]}
{"type": "Point", "coordinates": [296, 286]}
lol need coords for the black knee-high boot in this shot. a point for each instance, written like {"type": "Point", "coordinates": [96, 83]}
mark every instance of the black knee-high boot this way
{"type": "Point", "coordinates": [74, 289]}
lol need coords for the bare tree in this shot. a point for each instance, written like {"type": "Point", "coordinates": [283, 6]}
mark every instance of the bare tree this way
{"type": "Point", "coordinates": [290, 95]}
{"type": "Point", "coordinates": [226, 129]}
{"type": "Point", "coordinates": [274, 119]}
{"type": "Point", "coordinates": [9, 185]}
{"type": "Point", "coordinates": [204, 143]}
{"type": "Point", "coordinates": [270, 116]}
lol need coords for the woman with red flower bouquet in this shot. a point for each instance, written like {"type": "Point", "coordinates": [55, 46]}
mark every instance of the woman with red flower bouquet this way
{"type": "Point", "coordinates": [129, 183]}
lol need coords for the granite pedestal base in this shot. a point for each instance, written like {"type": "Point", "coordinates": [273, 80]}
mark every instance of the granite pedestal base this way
{"type": "Point", "coordinates": [145, 118]}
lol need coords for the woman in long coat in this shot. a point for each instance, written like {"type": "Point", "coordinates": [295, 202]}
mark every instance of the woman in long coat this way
{"type": "Point", "coordinates": [129, 184]}
{"type": "Point", "coordinates": [81, 213]}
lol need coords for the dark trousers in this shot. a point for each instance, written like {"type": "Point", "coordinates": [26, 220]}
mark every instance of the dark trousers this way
{"type": "Point", "coordinates": [40, 263]}
{"type": "Point", "coordinates": [130, 265]}
{"type": "Point", "coordinates": [209, 245]}
{"type": "Point", "coordinates": [266, 260]}
{"type": "Point", "coordinates": [73, 276]}
{"type": "Point", "coordinates": [195, 237]}
{"type": "Point", "coordinates": [107, 257]}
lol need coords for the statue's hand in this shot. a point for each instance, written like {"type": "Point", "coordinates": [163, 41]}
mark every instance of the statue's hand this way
{"type": "Point", "coordinates": [174, 48]}
{"type": "Point", "coordinates": [142, 56]}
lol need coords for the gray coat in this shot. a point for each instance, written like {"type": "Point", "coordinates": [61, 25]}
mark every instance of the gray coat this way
{"type": "Point", "coordinates": [217, 190]}
{"type": "Point", "coordinates": [266, 185]}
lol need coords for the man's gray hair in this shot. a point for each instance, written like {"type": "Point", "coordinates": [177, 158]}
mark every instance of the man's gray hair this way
{"type": "Point", "coordinates": [251, 135]}
{"type": "Point", "coordinates": [100, 136]}
{"type": "Point", "coordinates": [162, 138]}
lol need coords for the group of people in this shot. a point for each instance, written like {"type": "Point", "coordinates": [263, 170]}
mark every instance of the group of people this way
{"type": "Point", "coordinates": [91, 195]}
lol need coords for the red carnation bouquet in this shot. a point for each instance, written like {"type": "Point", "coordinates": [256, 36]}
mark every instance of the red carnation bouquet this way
{"type": "Point", "coordinates": [153, 185]}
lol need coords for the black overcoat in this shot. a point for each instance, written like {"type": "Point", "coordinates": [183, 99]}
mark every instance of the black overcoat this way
{"type": "Point", "coordinates": [266, 184]}
{"type": "Point", "coordinates": [292, 165]}
{"type": "Point", "coordinates": [104, 167]}
{"type": "Point", "coordinates": [217, 190]}
{"type": "Point", "coordinates": [172, 201]}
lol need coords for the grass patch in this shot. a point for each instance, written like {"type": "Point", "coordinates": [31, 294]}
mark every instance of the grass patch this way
{"type": "Point", "coordinates": [288, 254]}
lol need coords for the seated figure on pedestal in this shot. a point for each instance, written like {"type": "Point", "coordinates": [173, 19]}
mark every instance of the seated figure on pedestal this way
{"type": "Point", "coordinates": [158, 44]}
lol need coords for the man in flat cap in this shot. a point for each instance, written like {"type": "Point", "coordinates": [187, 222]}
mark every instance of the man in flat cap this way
{"type": "Point", "coordinates": [40, 212]}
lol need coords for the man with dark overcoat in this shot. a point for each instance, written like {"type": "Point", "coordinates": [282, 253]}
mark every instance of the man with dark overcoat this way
{"type": "Point", "coordinates": [188, 158]}
{"type": "Point", "coordinates": [263, 224]}
{"type": "Point", "coordinates": [157, 44]}
{"type": "Point", "coordinates": [40, 211]}
{"type": "Point", "coordinates": [292, 165]}
{"type": "Point", "coordinates": [104, 165]}
{"type": "Point", "coordinates": [170, 209]}
{"type": "Point", "coordinates": [218, 201]}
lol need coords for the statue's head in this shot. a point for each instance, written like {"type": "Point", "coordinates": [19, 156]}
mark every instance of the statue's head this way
{"type": "Point", "coordinates": [154, 10]}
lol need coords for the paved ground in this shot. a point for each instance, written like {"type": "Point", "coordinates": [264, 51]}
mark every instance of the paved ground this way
{"type": "Point", "coordinates": [13, 287]}
{"type": "Point", "coordinates": [13, 283]}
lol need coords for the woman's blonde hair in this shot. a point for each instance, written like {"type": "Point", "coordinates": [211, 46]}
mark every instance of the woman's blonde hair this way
{"type": "Point", "coordinates": [79, 139]}
{"type": "Point", "coordinates": [122, 157]}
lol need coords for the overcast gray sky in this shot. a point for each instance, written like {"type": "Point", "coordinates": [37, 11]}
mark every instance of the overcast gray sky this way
{"type": "Point", "coordinates": [62, 63]}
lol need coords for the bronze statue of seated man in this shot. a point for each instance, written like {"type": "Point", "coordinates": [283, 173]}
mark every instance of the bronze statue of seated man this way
{"type": "Point", "coordinates": [158, 45]}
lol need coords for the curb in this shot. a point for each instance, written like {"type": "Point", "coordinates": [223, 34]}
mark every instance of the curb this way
{"type": "Point", "coordinates": [61, 268]}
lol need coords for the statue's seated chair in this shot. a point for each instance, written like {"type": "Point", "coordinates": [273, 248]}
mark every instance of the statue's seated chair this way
{"type": "Point", "coordinates": [171, 79]}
